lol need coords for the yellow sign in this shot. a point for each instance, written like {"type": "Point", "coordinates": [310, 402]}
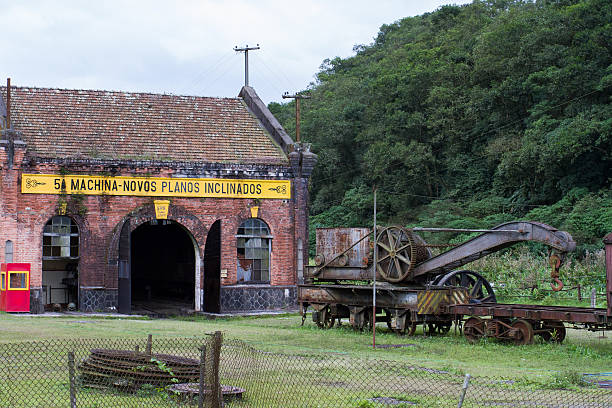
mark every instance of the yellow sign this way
{"type": "Point", "coordinates": [154, 186]}
{"type": "Point", "coordinates": [161, 209]}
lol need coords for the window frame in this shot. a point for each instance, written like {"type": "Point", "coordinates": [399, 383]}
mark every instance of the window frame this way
{"type": "Point", "coordinates": [9, 244]}
{"type": "Point", "coordinates": [69, 235]}
{"type": "Point", "coordinates": [264, 235]}
{"type": "Point", "coordinates": [27, 280]}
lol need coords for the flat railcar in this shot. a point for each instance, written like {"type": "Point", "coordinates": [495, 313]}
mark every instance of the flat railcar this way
{"type": "Point", "coordinates": [414, 288]}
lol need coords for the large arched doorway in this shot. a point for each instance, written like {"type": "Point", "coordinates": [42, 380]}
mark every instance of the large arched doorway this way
{"type": "Point", "coordinates": [163, 264]}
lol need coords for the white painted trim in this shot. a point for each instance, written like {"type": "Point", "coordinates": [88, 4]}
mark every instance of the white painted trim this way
{"type": "Point", "coordinates": [198, 260]}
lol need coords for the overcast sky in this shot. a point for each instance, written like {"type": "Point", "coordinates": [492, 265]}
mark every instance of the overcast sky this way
{"type": "Point", "coordinates": [186, 47]}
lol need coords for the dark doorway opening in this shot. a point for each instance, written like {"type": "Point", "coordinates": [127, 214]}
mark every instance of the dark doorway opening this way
{"type": "Point", "coordinates": [212, 269]}
{"type": "Point", "coordinates": [163, 269]}
{"type": "Point", "coordinates": [60, 264]}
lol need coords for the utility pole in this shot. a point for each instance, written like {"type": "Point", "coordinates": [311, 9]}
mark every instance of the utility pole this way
{"type": "Point", "coordinates": [246, 60]}
{"type": "Point", "coordinates": [297, 98]}
{"type": "Point", "coordinates": [375, 269]}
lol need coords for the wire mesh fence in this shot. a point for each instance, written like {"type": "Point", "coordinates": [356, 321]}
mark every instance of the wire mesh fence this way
{"type": "Point", "coordinates": [211, 372]}
{"type": "Point", "coordinates": [109, 372]}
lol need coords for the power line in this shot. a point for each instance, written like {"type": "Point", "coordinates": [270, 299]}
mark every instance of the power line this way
{"type": "Point", "coordinates": [221, 74]}
{"type": "Point", "coordinates": [266, 79]}
{"type": "Point", "coordinates": [208, 70]}
{"type": "Point", "coordinates": [288, 83]}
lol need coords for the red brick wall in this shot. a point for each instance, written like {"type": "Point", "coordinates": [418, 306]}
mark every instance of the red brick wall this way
{"type": "Point", "coordinates": [100, 218]}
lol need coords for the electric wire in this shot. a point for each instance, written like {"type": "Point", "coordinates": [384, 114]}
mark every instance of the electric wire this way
{"type": "Point", "coordinates": [208, 70]}
{"type": "Point", "coordinates": [288, 82]}
{"type": "Point", "coordinates": [266, 79]}
{"type": "Point", "coordinates": [220, 75]}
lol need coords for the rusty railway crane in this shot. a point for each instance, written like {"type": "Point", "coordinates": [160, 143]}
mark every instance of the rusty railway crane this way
{"type": "Point", "coordinates": [414, 287]}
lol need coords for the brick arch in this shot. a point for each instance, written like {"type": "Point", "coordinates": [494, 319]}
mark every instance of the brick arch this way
{"type": "Point", "coordinates": [245, 213]}
{"type": "Point", "coordinates": [78, 219]}
{"type": "Point", "coordinates": [195, 228]}
{"type": "Point", "coordinates": [191, 223]}
{"type": "Point", "coordinates": [84, 232]}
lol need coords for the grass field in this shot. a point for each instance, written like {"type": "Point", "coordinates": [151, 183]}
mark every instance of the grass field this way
{"type": "Point", "coordinates": [582, 351]}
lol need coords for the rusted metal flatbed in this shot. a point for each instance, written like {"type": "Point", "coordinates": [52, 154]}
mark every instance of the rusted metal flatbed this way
{"type": "Point", "coordinates": [594, 316]}
{"type": "Point", "coordinates": [519, 323]}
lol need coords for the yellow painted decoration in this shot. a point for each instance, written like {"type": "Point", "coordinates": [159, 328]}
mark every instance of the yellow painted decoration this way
{"type": "Point", "coordinates": [428, 301]}
{"type": "Point", "coordinates": [254, 211]}
{"type": "Point", "coordinates": [161, 209]}
{"type": "Point", "coordinates": [154, 186]}
{"type": "Point", "coordinates": [18, 280]}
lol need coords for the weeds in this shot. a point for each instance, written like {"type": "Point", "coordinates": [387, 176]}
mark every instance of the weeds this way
{"type": "Point", "coordinates": [522, 275]}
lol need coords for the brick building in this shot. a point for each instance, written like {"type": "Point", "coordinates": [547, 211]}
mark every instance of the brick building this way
{"type": "Point", "coordinates": [121, 201]}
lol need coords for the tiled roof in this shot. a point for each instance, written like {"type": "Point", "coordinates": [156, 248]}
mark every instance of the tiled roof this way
{"type": "Point", "coordinates": [61, 123]}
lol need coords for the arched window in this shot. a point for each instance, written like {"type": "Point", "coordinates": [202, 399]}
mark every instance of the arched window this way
{"type": "Point", "coordinates": [8, 251]}
{"type": "Point", "coordinates": [253, 249]}
{"type": "Point", "coordinates": [60, 239]}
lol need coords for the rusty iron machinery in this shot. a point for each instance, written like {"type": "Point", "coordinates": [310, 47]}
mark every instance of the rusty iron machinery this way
{"type": "Point", "coordinates": [131, 369]}
{"type": "Point", "coordinates": [403, 257]}
{"type": "Point", "coordinates": [416, 287]}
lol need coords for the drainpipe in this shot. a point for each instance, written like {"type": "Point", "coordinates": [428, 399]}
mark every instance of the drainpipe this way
{"type": "Point", "coordinates": [608, 244]}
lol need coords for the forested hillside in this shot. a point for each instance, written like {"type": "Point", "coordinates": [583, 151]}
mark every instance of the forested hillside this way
{"type": "Point", "coordinates": [469, 116]}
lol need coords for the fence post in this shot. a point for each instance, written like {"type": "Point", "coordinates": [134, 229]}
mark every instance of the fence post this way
{"type": "Point", "coordinates": [579, 293]}
{"type": "Point", "coordinates": [215, 388]}
{"type": "Point", "coordinates": [71, 376]}
{"type": "Point", "coordinates": [466, 384]}
{"type": "Point", "coordinates": [149, 344]}
{"type": "Point", "coordinates": [593, 297]}
{"type": "Point", "coordinates": [202, 373]}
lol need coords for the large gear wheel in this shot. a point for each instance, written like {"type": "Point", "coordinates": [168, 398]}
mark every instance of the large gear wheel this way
{"type": "Point", "coordinates": [397, 253]}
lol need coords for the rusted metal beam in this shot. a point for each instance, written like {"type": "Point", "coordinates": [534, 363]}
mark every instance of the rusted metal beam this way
{"type": "Point", "coordinates": [342, 273]}
{"type": "Point", "coordinates": [533, 312]}
{"type": "Point", "coordinates": [361, 295]}
{"type": "Point", "coordinates": [426, 229]}
{"type": "Point", "coordinates": [493, 241]}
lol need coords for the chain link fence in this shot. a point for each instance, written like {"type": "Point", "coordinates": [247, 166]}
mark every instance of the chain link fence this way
{"type": "Point", "coordinates": [214, 372]}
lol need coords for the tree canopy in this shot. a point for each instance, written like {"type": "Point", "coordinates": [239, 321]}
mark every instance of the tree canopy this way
{"type": "Point", "coordinates": [469, 116]}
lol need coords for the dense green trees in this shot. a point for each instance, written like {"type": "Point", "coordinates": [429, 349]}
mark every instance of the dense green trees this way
{"type": "Point", "coordinates": [469, 116]}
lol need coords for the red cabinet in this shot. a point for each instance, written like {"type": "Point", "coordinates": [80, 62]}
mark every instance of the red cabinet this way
{"type": "Point", "coordinates": [15, 287]}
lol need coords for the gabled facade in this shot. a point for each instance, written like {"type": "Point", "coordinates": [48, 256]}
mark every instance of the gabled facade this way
{"type": "Point", "coordinates": [120, 200]}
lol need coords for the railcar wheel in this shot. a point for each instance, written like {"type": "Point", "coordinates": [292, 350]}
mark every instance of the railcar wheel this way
{"type": "Point", "coordinates": [554, 331]}
{"type": "Point", "coordinates": [369, 320]}
{"type": "Point", "coordinates": [397, 253]}
{"type": "Point", "coordinates": [406, 331]}
{"type": "Point", "coordinates": [389, 315]}
{"type": "Point", "coordinates": [478, 287]}
{"type": "Point", "coordinates": [362, 320]}
{"type": "Point", "coordinates": [474, 329]}
{"type": "Point", "coordinates": [525, 332]}
{"type": "Point", "coordinates": [409, 327]}
{"type": "Point", "coordinates": [439, 328]}
{"type": "Point", "coordinates": [326, 320]}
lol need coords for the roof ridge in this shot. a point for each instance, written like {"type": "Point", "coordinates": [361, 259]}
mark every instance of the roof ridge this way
{"type": "Point", "coordinates": [3, 88]}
